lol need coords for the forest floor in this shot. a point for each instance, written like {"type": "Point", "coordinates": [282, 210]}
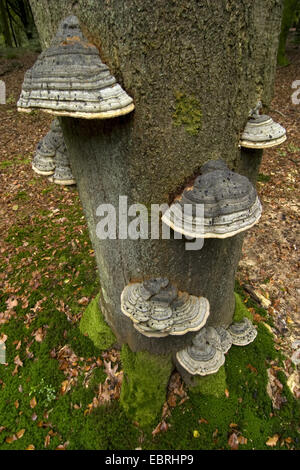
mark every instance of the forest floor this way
{"type": "Point", "coordinates": [50, 397]}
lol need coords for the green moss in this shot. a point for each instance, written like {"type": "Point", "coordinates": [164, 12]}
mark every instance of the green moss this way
{"type": "Point", "coordinates": [214, 384]}
{"type": "Point", "coordinates": [241, 310]}
{"type": "Point", "coordinates": [187, 113]}
{"type": "Point", "coordinates": [145, 382]}
{"type": "Point", "coordinates": [94, 325]}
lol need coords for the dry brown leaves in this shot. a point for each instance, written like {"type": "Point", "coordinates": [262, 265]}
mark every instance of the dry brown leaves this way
{"type": "Point", "coordinates": [111, 389]}
{"type": "Point", "coordinates": [176, 396]}
{"type": "Point", "coordinates": [274, 389]}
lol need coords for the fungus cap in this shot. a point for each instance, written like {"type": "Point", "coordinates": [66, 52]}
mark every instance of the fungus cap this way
{"type": "Point", "coordinates": [261, 131]}
{"type": "Point", "coordinates": [69, 79]}
{"type": "Point", "coordinates": [242, 333]}
{"type": "Point", "coordinates": [205, 356]}
{"type": "Point", "coordinates": [158, 309]}
{"type": "Point", "coordinates": [229, 201]}
{"type": "Point", "coordinates": [43, 162]}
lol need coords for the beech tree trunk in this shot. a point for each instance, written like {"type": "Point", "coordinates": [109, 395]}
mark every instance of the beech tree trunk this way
{"type": "Point", "coordinates": [217, 56]}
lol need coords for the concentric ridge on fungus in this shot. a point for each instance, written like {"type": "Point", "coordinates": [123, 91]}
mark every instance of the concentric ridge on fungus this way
{"type": "Point", "coordinates": [242, 333]}
{"type": "Point", "coordinates": [206, 354]}
{"type": "Point", "coordinates": [52, 159]}
{"type": "Point", "coordinates": [69, 79]}
{"type": "Point", "coordinates": [158, 309]}
{"type": "Point", "coordinates": [44, 160]}
{"type": "Point", "coordinates": [230, 203]}
{"type": "Point", "coordinates": [261, 131]}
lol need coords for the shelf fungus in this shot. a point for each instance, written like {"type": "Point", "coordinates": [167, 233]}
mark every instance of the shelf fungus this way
{"type": "Point", "coordinates": [63, 173]}
{"type": "Point", "coordinates": [44, 160]}
{"type": "Point", "coordinates": [242, 333]}
{"type": "Point", "coordinates": [158, 309]}
{"type": "Point", "coordinates": [225, 337]}
{"type": "Point", "coordinates": [69, 79]}
{"type": "Point", "coordinates": [261, 131]}
{"type": "Point", "coordinates": [206, 354]}
{"type": "Point", "coordinates": [219, 204]}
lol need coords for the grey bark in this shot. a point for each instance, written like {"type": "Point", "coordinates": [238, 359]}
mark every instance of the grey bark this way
{"type": "Point", "coordinates": [221, 53]}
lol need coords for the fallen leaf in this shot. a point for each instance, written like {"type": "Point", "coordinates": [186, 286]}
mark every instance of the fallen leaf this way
{"type": "Point", "coordinates": [47, 440]}
{"type": "Point", "coordinates": [196, 434]}
{"type": "Point", "coordinates": [272, 441]}
{"type": "Point", "coordinates": [233, 441]}
{"type": "Point", "coordinates": [11, 303]}
{"type": "Point", "coordinates": [33, 403]}
{"type": "Point", "coordinates": [242, 440]}
{"type": "Point", "coordinates": [18, 361]}
{"type": "Point", "coordinates": [202, 421]}
{"type": "Point", "coordinates": [30, 447]}
{"type": "Point", "coordinates": [11, 439]}
{"type": "Point", "coordinates": [39, 335]}
{"type": "Point", "coordinates": [172, 400]}
{"type": "Point", "coordinates": [226, 393]}
{"type": "Point", "coordinates": [17, 404]}
{"type": "Point", "coordinates": [20, 433]}
{"type": "Point", "coordinates": [249, 366]}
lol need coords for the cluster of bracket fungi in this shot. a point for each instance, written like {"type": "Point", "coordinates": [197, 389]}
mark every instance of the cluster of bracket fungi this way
{"type": "Point", "coordinates": [157, 309]}
{"type": "Point", "coordinates": [70, 79]}
{"type": "Point", "coordinates": [51, 157]}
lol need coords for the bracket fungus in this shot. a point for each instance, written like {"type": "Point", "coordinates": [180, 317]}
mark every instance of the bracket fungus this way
{"type": "Point", "coordinates": [225, 337]}
{"type": "Point", "coordinates": [44, 160]}
{"type": "Point", "coordinates": [158, 309]}
{"type": "Point", "coordinates": [242, 333]}
{"type": "Point", "coordinates": [261, 131]}
{"type": "Point", "coordinates": [69, 79]}
{"type": "Point", "coordinates": [230, 202]}
{"type": "Point", "coordinates": [63, 173]}
{"type": "Point", "coordinates": [205, 356]}
{"type": "Point", "coordinates": [51, 158]}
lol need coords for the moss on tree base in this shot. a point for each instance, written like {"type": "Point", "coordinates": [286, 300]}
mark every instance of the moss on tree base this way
{"type": "Point", "coordinates": [93, 325]}
{"type": "Point", "coordinates": [145, 383]}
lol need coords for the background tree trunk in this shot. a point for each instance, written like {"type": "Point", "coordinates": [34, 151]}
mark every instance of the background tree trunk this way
{"type": "Point", "coordinates": [5, 25]}
{"type": "Point", "coordinates": [218, 56]}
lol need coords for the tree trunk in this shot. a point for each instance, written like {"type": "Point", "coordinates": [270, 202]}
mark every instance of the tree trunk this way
{"type": "Point", "coordinates": [288, 16]}
{"type": "Point", "coordinates": [219, 57]}
{"type": "Point", "coordinates": [5, 25]}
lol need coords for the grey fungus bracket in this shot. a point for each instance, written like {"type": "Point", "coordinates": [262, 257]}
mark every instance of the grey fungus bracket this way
{"type": "Point", "coordinates": [44, 160]}
{"type": "Point", "coordinates": [225, 338]}
{"type": "Point", "coordinates": [63, 173]}
{"type": "Point", "coordinates": [157, 309]}
{"type": "Point", "coordinates": [205, 356]}
{"type": "Point", "coordinates": [207, 352]}
{"type": "Point", "coordinates": [51, 158]}
{"type": "Point", "coordinates": [69, 79]}
{"type": "Point", "coordinates": [242, 333]}
{"type": "Point", "coordinates": [261, 131]}
{"type": "Point", "coordinates": [230, 202]}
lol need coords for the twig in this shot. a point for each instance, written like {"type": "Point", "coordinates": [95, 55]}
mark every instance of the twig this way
{"type": "Point", "coordinates": [279, 112]}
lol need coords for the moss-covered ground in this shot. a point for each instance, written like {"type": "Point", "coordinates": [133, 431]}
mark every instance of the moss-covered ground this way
{"type": "Point", "coordinates": [52, 274]}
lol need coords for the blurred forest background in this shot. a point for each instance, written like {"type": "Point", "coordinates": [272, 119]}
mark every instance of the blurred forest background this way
{"type": "Point", "coordinates": [17, 28]}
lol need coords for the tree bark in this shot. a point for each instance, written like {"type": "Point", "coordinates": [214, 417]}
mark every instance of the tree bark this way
{"type": "Point", "coordinates": [220, 55]}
